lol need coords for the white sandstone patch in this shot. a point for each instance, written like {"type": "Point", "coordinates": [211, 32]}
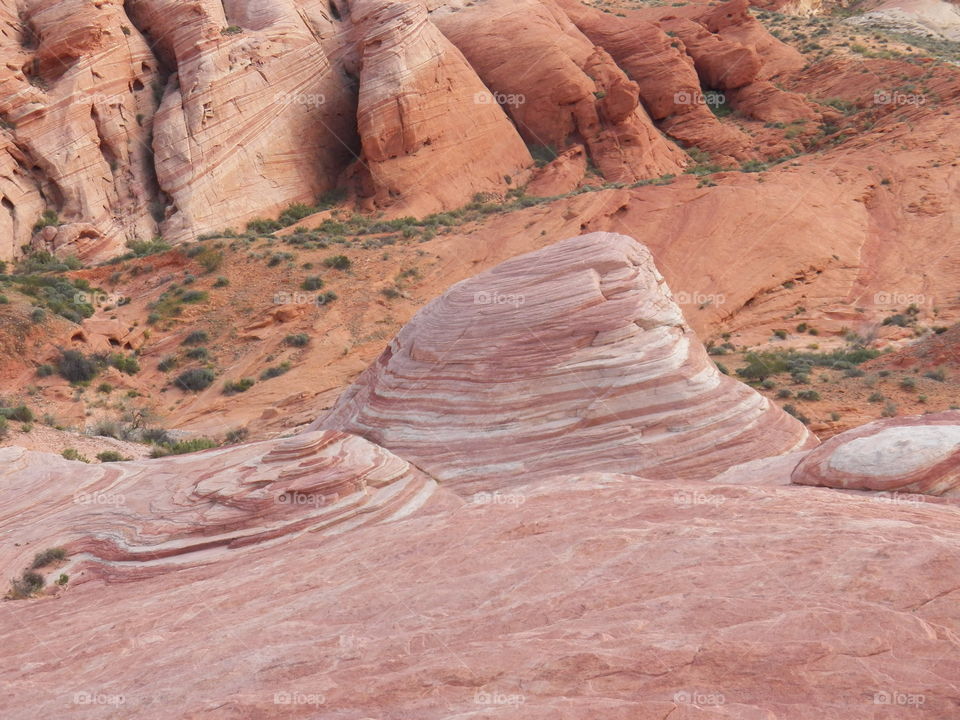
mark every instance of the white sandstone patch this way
{"type": "Point", "coordinates": [897, 450]}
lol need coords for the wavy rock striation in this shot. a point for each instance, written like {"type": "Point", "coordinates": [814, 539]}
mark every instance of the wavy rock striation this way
{"type": "Point", "coordinates": [919, 454]}
{"type": "Point", "coordinates": [122, 520]}
{"type": "Point", "coordinates": [568, 359]}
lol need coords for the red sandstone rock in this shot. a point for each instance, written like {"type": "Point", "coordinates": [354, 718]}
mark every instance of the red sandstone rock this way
{"type": "Point", "coordinates": [558, 85]}
{"type": "Point", "coordinates": [919, 454]}
{"type": "Point", "coordinates": [597, 596]}
{"type": "Point", "coordinates": [561, 175]}
{"type": "Point", "coordinates": [426, 121]}
{"type": "Point", "coordinates": [568, 359]}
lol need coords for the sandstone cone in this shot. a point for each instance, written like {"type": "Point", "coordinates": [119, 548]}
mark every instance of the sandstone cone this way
{"type": "Point", "coordinates": [568, 359]}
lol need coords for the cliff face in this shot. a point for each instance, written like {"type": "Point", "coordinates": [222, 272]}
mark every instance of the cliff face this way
{"type": "Point", "coordinates": [177, 118]}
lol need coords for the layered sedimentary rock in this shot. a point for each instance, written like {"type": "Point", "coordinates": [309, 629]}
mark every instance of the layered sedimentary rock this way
{"type": "Point", "coordinates": [151, 516]}
{"type": "Point", "coordinates": [919, 454]}
{"type": "Point", "coordinates": [598, 596]}
{"type": "Point", "coordinates": [558, 86]}
{"type": "Point", "coordinates": [670, 89]}
{"type": "Point", "coordinates": [253, 114]}
{"type": "Point", "coordinates": [571, 358]}
{"type": "Point", "coordinates": [432, 134]}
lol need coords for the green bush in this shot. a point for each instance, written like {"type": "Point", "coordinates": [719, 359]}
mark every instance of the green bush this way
{"type": "Point", "coordinates": [108, 456]}
{"type": "Point", "coordinates": [197, 337]}
{"type": "Point", "coordinates": [196, 379]}
{"type": "Point", "coordinates": [298, 340]}
{"type": "Point", "coordinates": [312, 283]}
{"type": "Point", "coordinates": [20, 413]}
{"type": "Point", "coordinates": [809, 395]}
{"type": "Point", "coordinates": [75, 367]}
{"type": "Point", "coordinates": [276, 371]}
{"type": "Point", "coordinates": [48, 557]}
{"type": "Point", "coordinates": [337, 262]}
{"type": "Point", "coordinates": [198, 353]}
{"type": "Point", "coordinates": [27, 585]}
{"type": "Point", "coordinates": [232, 387]}
{"type": "Point", "coordinates": [908, 383]}
{"type": "Point", "coordinates": [73, 454]}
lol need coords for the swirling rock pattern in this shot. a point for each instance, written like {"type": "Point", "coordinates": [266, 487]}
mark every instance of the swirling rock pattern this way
{"type": "Point", "coordinates": [919, 454]}
{"type": "Point", "coordinates": [123, 520]}
{"type": "Point", "coordinates": [568, 359]}
{"type": "Point", "coordinates": [591, 597]}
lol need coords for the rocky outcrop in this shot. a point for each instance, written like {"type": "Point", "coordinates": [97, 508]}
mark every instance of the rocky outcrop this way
{"type": "Point", "coordinates": [146, 517]}
{"type": "Point", "coordinates": [427, 124]}
{"type": "Point", "coordinates": [919, 454]}
{"type": "Point", "coordinates": [558, 86]}
{"type": "Point", "coordinates": [568, 359]}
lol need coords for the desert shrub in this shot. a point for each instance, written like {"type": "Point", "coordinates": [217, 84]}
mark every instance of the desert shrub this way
{"type": "Point", "coordinates": [275, 371]}
{"type": "Point", "coordinates": [260, 226]}
{"type": "Point", "coordinates": [48, 557]}
{"type": "Point", "coordinates": [326, 298]}
{"type": "Point", "coordinates": [298, 340]}
{"type": "Point", "coordinates": [312, 283]}
{"type": "Point", "coordinates": [27, 585]}
{"type": "Point", "coordinates": [337, 262]}
{"type": "Point", "coordinates": [221, 282]}
{"type": "Point", "coordinates": [4, 427]}
{"type": "Point", "coordinates": [127, 364]}
{"type": "Point", "coordinates": [20, 413]}
{"type": "Point", "coordinates": [45, 371]}
{"type": "Point", "coordinates": [295, 213]}
{"type": "Point", "coordinates": [74, 366]}
{"type": "Point", "coordinates": [232, 387]}
{"type": "Point", "coordinates": [236, 436]}
{"type": "Point", "coordinates": [198, 353]}
{"type": "Point", "coordinates": [183, 447]}
{"type": "Point", "coordinates": [73, 454]}
{"type": "Point", "coordinates": [108, 456]}
{"type": "Point", "coordinates": [808, 395]}
{"type": "Point", "coordinates": [168, 363]}
{"type": "Point", "coordinates": [939, 375]}
{"type": "Point", "coordinates": [195, 379]}
{"type": "Point", "coordinates": [875, 397]}
{"type": "Point", "coordinates": [890, 409]}
{"type": "Point", "coordinates": [908, 383]}
{"type": "Point", "coordinates": [197, 337]}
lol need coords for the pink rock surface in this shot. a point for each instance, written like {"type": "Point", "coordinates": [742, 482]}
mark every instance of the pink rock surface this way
{"type": "Point", "coordinates": [597, 597]}
{"type": "Point", "coordinates": [567, 359]}
{"type": "Point", "coordinates": [140, 518]}
{"type": "Point", "coordinates": [919, 454]}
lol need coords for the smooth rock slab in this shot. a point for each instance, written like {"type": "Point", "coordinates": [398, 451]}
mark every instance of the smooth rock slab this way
{"type": "Point", "coordinates": [607, 597]}
{"type": "Point", "coordinates": [919, 454]}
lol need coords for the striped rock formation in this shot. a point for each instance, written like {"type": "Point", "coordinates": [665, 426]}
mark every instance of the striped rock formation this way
{"type": "Point", "coordinates": [919, 454]}
{"type": "Point", "coordinates": [568, 359]}
{"type": "Point", "coordinates": [597, 597]}
{"type": "Point", "coordinates": [136, 519]}
{"type": "Point", "coordinates": [427, 123]}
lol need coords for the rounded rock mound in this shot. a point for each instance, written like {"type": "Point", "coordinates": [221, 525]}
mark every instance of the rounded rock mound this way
{"type": "Point", "coordinates": [573, 358]}
{"type": "Point", "coordinates": [918, 454]}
